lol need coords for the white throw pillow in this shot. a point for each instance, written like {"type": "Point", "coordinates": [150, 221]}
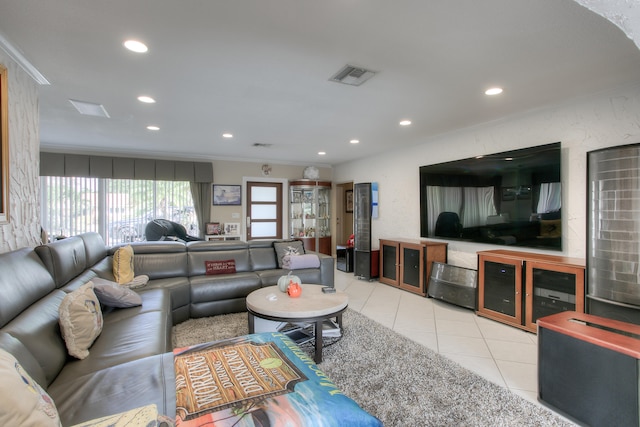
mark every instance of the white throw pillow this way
{"type": "Point", "coordinates": [22, 401]}
{"type": "Point", "coordinates": [80, 320]}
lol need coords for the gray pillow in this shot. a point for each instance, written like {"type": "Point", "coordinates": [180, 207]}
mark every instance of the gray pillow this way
{"type": "Point", "coordinates": [287, 247]}
{"type": "Point", "coordinates": [114, 295]}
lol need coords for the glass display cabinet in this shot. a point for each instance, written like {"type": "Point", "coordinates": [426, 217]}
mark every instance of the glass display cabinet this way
{"type": "Point", "coordinates": [310, 214]}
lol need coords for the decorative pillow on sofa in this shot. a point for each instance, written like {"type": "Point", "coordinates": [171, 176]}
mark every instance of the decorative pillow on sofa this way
{"type": "Point", "coordinates": [297, 262]}
{"type": "Point", "coordinates": [22, 401]}
{"type": "Point", "coordinates": [123, 265]}
{"type": "Point", "coordinates": [220, 267]}
{"type": "Point", "coordinates": [80, 320]}
{"type": "Point", "coordinates": [114, 295]}
{"type": "Point", "coordinates": [289, 247]}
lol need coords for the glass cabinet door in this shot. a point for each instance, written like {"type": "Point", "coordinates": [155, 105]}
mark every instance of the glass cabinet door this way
{"type": "Point", "coordinates": [389, 262]}
{"type": "Point", "coordinates": [310, 214]}
{"type": "Point", "coordinates": [412, 267]}
{"type": "Point", "coordinates": [501, 289]}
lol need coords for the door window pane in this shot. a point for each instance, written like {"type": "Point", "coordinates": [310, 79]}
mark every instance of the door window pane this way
{"type": "Point", "coordinates": [263, 212]}
{"type": "Point", "coordinates": [263, 229]}
{"type": "Point", "coordinates": [263, 194]}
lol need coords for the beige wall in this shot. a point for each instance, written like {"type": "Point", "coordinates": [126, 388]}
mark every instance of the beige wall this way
{"type": "Point", "coordinates": [239, 173]}
{"type": "Point", "coordinates": [23, 228]}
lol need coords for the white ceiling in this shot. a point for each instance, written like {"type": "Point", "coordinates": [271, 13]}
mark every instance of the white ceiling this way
{"type": "Point", "coordinates": [260, 68]}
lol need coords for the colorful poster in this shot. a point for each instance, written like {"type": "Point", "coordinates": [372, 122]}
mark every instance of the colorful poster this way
{"type": "Point", "coordinates": [258, 380]}
{"type": "Point", "coordinates": [236, 375]}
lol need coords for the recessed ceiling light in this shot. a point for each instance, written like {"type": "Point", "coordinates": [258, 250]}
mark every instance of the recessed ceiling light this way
{"type": "Point", "coordinates": [405, 122]}
{"type": "Point", "coordinates": [227, 135]}
{"type": "Point", "coordinates": [354, 141]}
{"type": "Point", "coordinates": [321, 153]}
{"type": "Point", "coordinates": [493, 91]}
{"type": "Point", "coordinates": [136, 46]}
{"type": "Point", "coordinates": [151, 127]}
{"type": "Point", "coordinates": [508, 159]}
{"type": "Point", "coordinates": [146, 99]}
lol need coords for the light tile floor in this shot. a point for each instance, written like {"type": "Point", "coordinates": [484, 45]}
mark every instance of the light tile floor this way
{"type": "Point", "coordinates": [502, 354]}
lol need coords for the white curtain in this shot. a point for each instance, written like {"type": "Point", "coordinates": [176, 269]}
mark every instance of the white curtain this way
{"type": "Point", "coordinates": [478, 205]}
{"type": "Point", "coordinates": [550, 197]}
{"type": "Point", "coordinates": [442, 199]}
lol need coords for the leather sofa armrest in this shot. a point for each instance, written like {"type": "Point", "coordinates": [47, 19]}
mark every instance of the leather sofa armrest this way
{"type": "Point", "coordinates": [326, 268]}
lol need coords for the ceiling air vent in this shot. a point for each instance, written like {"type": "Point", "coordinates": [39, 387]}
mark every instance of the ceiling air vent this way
{"type": "Point", "coordinates": [261, 145]}
{"type": "Point", "coordinates": [351, 75]}
{"type": "Point", "coordinates": [89, 108]}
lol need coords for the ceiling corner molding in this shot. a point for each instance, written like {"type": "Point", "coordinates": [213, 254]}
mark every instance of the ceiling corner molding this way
{"type": "Point", "coordinates": [19, 58]}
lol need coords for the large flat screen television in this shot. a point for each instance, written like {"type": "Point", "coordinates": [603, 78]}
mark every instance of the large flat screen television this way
{"type": "Point", "coordinates": [512, 198]}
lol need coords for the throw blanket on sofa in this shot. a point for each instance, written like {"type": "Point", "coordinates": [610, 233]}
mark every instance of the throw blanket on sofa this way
{"type": "Point", "coordinates": [296, 262]}
{"type": "Point", "coordinates": [260, 379]}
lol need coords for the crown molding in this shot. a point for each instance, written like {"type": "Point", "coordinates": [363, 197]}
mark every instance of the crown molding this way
{"type": "Point", "coordinates": [19, 58]}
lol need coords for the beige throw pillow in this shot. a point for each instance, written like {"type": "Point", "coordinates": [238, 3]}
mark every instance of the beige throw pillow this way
{"type": "Point", "coordinates": [22, 401]}
{"type": "Point", "coordinates": [123, 265]}
{"type": "Point", "coordinates": [80, 320]}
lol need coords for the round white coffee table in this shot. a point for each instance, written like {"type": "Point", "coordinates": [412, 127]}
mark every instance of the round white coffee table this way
{"type": "Point", "coordinates": [313, 306]}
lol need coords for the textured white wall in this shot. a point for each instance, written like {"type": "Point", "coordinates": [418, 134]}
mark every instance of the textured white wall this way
{"type": "Point", "coordinates": [582, 125]}
{"type": "Point", "coordinates": [624, 13]}
{"type": "Point", "coordinates": [24, 160]}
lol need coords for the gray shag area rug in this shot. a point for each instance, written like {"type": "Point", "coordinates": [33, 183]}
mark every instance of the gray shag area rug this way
{"type": "Point", "coordinates": [398, 380]}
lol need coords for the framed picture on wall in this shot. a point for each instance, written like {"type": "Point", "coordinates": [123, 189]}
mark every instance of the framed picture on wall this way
{"type": "Point", "coordinates": [348, 201]}
{"type": "Point", "coordinates": [227, 195]}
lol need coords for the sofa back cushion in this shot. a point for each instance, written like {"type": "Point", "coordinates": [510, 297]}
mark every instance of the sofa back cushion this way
{"type": "Point", "coordinates": [201, 252]}
{"type": "Point", "coordinates": [12, 345]}
{"type": "Point", "coordinates": [263, 255]}
{"type": "Point", "coordinates": [24, 280]}
{"type": "Point", "coordinates": [95, 248]}
{"type": "Point", "coordinates": [158, 260]}
{"type": "Point", "coordinates": [65, 259]}
{"type": "Point", "coordinates": [38, 330]}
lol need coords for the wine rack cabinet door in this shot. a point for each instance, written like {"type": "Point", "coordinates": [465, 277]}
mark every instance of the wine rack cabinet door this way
{"type": "Point", "coordinates": [500, 289]}
{"type": "Point", "coordinates": [412, 265]}
{"type": "Point", "coordinates": [389, 263]}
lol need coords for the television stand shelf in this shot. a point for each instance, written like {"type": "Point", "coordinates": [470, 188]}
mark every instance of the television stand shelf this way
{"type": "Point", "coordinates": [517, 288]}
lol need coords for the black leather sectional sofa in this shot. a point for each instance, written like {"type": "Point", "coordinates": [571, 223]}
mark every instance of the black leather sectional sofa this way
{"type": "Point", "coordinates": [130, 364]}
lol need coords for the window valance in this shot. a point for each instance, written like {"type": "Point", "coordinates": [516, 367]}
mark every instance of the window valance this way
{"type": "Point", "coordinates": [89, 166]}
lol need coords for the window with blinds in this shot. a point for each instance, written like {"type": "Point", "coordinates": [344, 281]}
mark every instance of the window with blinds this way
{"type": "Point", "coordinates": [118, 209]}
